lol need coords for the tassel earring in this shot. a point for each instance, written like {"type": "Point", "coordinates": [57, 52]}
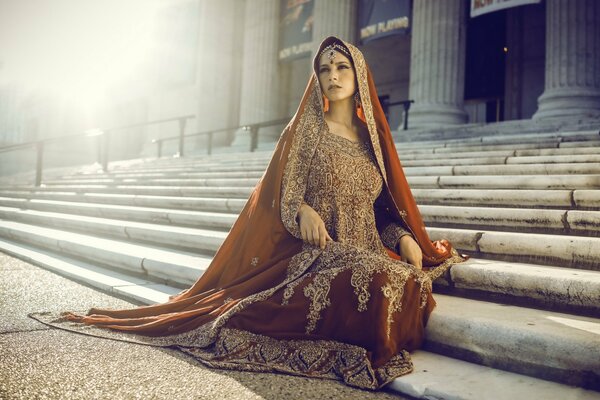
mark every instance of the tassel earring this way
{"type": "Point", "coordinates": [325, 104]}
{"type": "Point", "coordinates": [359, 109]}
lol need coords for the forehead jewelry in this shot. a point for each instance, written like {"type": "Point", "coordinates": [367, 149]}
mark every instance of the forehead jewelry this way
{"type": "Point", "coordinates": [330, 50]}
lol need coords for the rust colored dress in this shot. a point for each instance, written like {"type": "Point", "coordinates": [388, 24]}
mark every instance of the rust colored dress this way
{"type": "Point", "coordinates": [353, 292]}
{"type": "Point", "coordinates": [271, 302]}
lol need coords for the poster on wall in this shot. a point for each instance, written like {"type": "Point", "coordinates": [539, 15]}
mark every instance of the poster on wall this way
{"type": "Point", "coordinates": [381, 18]}
{"type": "Point", "coordinates": [480, 7]}
{"type": "Point", "coordinates": [296, 29]}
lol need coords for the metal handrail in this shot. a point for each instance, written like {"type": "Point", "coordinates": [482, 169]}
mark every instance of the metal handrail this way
{"type": "Point", "coordinates": [102, 143]}
{"type": "Point", "coordinates": [253, 128]}
{"type": "Point", "coordinates": [406, 104]}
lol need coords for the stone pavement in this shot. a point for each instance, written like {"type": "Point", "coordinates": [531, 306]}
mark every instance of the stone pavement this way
{"type": "Point", "coordinates": [38, 362]}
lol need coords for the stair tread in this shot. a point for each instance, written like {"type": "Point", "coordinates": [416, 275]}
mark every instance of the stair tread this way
{"type": "Point", "coordinates": [145, 251]}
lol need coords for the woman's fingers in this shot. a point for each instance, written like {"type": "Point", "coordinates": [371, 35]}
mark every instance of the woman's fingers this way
{"type": "Point", "coordinates": [309, 237]}
{"type": "Point", "coordinates": [324, 236]}
{"type": "Point", "coordinates": [315, 233]}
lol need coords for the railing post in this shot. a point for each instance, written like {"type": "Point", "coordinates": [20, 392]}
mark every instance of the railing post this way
{"type": "Point", "coordinates": [253, 137]}
{"type": "Point", "coordinates": [159, 144]}
{"type": "Point", "coordinates": [406, 108]}
{"type": "Point", "coordinates": [39, 161]}
{"type": "Point", "coordinates": [99, 143]}
{"type": "Point", "coordinates": [105, 140]}
{"type": "Point", "coordinates": [182, 122]}
{"type": "Point", "coordinates": [210, 141]}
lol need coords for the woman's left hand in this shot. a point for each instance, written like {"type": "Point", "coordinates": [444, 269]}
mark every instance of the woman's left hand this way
{"type": "Point", "coordinates": [410, 251]}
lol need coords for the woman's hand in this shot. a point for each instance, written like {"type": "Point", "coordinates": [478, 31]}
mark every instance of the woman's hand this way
{"type": "Point", "coordinates": [312, 226]}
{"type": "Point", "coordinates": [410, 251]}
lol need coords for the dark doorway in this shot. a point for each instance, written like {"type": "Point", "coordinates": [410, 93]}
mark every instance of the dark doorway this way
{"type": "Point", "coordinates": [485, 66]}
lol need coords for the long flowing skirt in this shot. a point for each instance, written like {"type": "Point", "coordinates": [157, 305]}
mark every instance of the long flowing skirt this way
{"type": "Point", "coordinates": [340, 313]}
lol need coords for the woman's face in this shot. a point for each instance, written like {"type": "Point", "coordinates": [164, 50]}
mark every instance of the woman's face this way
{"type": "Point", "coordinates": [336, 76]}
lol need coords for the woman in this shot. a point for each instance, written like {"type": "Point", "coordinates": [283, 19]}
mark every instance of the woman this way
{"type": "Point", "coordinates": [327, 271]}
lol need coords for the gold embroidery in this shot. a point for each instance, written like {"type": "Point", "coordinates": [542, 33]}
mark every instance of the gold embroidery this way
{"type": "Point", "coordinates": [341, 179]}
{"type": "Point", "coordinates": [439, 270]}
{"type": "Point", "coordinates": [242, 350]}
{"type": "Point", "coordinates": [364, 265]}
{"type": "Point", "coordinates": [307, 135]}
{"type": "Point", "coordinates": [290, 288]}
{"type": "Point", "coordinates": [202, 336]}
{"type": "Point", "coordinates": [391, 234]}
{"type": "Point", "coordinates": [363, 87]}
{"type": "Point", "coordinates": [295, 174]}
{"type": "Point", "coordinates": [318, 291]}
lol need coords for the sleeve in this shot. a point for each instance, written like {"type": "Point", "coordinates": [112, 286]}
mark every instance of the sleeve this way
{"type": "Point", "coordinates": [390, 229]}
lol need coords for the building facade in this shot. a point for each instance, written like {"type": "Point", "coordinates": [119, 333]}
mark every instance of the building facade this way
{"type": "Point", "coordinates": [222, 61]}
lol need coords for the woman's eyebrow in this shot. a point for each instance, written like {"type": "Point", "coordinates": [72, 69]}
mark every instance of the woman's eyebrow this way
{"type": "Point", "coordinates": [339, 62]}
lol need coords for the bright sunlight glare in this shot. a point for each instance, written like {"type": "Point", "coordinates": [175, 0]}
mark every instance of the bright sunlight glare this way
{"type": "Point", "coordinates": [73, 50]}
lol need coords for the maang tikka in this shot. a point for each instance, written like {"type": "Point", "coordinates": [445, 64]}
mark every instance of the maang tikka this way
{"type": "Point", "coordinates": [332, 48]}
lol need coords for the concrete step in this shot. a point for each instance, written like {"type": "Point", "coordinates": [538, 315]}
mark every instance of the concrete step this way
{"type": "Point", "coordinates": [499, 160]}
{"type": "Point", "coordinates": [491, 142]}
{"type": "Point", "coordinates": [196, 178]}
{"type": "Point", "coordinates": [548, 345]}
{"type": "Point", "coordinates": [435, 376]}
{"type": "Point", "coordinates": [236, 187]}
{"type": "Point", "coordinates": [138, 290]}
{"type": "Point", "coordinates": [591, 181]}
{"type": "Point", "coordinates": [197, 219]}
{"type": "Point", "coordinates": [124, 177]}
{"type": "Point", "coordinates": [528, 198]}
{"type": "Point", "coordinates": [503, 129]}
{"type": "Point", "coordinates": [544, 156]}
{"type": "Point", "coordinates": [158, 182]}
{"type": "Point", "coordinates": [590, 155]}
{"type": "Point", "coordinates": [544, 285]}
{"type": "Point", "coordinates": [190, 239]}
{"type": "Point", "coordinates": [586, 223]}
{"type": "Point", "coordinates": [172, 198]}
{"type": "Point", "coordinates": [222, 205]}
{"type": "Point", "coordinates": [178, 191]}
{"type": "Point", "coordinates": [528, 285]}
{"type": "Point", "coordinates": [142, 261]}
{"type": "Point", "coordinates": [564, 251]}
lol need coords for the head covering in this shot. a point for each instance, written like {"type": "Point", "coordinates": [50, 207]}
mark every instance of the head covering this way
{"type": "Point", "coordinates": [253, 260]}
{"type": "Point", "coordinates": [266, 230]}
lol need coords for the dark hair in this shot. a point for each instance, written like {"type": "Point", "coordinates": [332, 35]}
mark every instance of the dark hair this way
{"type": "Point", "coordinates": [326, 42]}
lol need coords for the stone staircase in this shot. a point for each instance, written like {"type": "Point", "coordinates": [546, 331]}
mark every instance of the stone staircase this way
{"type": "Point", "coordinates": [523, 314]}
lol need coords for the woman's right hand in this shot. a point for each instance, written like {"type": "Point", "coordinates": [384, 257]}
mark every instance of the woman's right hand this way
{"type": "Point", "coordinates": [312, 226]}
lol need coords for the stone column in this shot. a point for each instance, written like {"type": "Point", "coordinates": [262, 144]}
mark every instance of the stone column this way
{"type": "Point", "coordinates": [572, 87]}
{"type": "Point", "coordinates": [218, 69]}
{"type": "Point", "coordinates": [333, 18]}
{"type": "Point", "coordinates": [437, 63]}
{"type": "Point", "coordinates": [260, 97]}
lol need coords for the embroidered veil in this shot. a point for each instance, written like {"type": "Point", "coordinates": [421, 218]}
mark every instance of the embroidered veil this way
{"type": "Point", "coordinates": [217, 319]}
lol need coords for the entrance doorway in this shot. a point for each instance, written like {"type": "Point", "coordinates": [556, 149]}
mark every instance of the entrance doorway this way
{"type": "Point", "coordinates": [485, 66]}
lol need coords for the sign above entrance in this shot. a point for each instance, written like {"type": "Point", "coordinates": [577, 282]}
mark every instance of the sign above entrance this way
{"type": "Point", "coordinates": [479, 7]}
{"type": "Point", "coordinates": [381, 18]}
{"type": "Point", "coordinates": [296, 29]}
